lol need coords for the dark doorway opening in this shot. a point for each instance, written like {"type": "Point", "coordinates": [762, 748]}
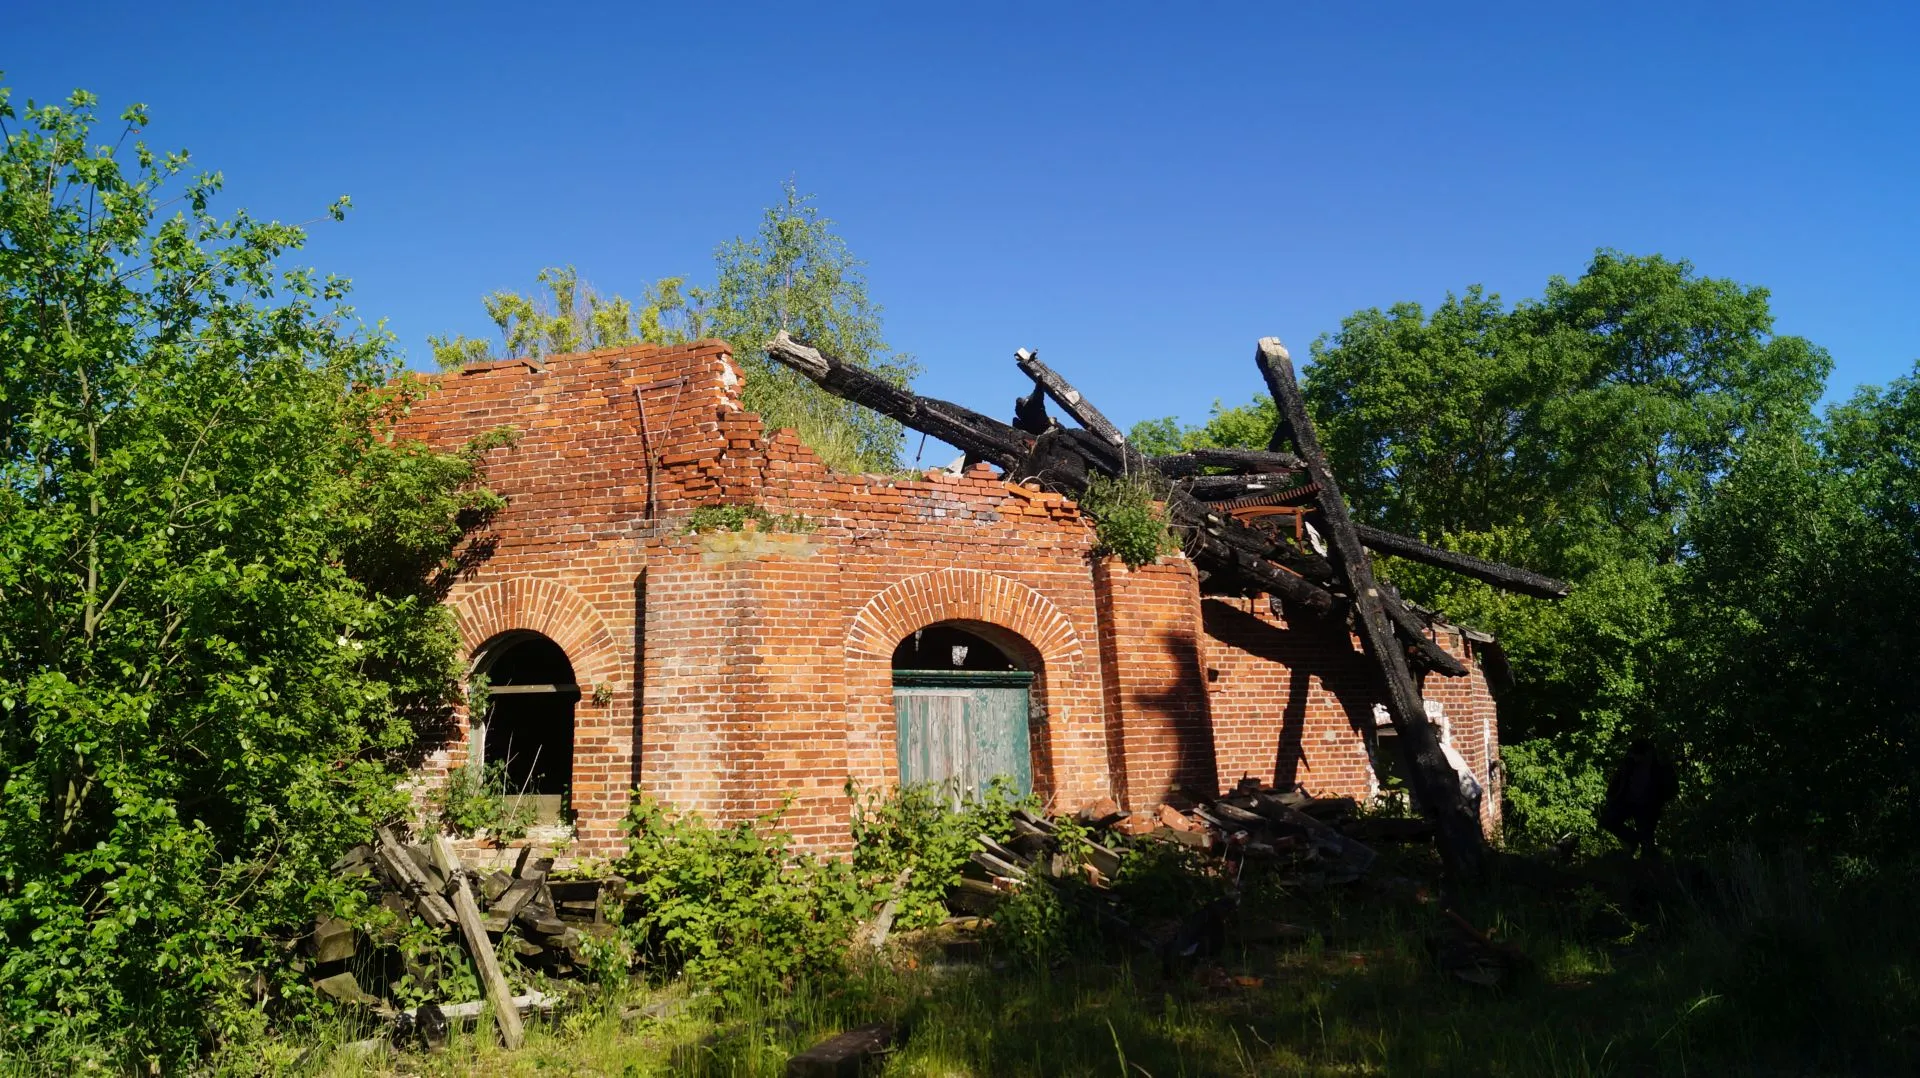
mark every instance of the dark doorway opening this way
{"type": "Point", "coordinates": [948, 647]}
{"type": "Point", "coordinates": [528, 725]}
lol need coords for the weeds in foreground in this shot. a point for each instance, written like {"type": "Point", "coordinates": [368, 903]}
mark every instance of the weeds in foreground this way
{"type": "Point", "coordinates": [1717, 974]}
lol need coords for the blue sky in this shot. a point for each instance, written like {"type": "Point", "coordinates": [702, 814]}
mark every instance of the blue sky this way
{"type": "Point", "coordinates": [1137, 191]}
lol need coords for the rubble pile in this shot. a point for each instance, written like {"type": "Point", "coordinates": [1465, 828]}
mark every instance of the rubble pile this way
{"type": "Point", "coordinates": [1315, 841]}
{"type": "Point", "coordinates": [543, 923]}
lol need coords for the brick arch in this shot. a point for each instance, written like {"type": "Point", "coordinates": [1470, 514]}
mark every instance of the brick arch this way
{"type": "Point", "coordinates": [549, 608]}
{"type": "Point", "coordinates": [1012, 614]}
{"type": "Point", "coordinates": [962, 595]}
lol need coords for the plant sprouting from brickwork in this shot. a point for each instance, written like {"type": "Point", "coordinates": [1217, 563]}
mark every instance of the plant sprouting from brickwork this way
{"type": "Point", "coordinates": [1127, 522]}
{"type": "Point", "coordinates": [734, 518]}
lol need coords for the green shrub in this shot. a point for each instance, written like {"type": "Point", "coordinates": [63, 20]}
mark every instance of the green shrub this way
{"type": "Point", "coordinates": [477, 798]}
{"type": "Point", "coordinates": [736, 907]}
{"type": "Point", "coordinates": [916, 826]}
{"type": "Point", "coordinates": [1036, 927]}
{"type": "Point", "coordinates": [1127, 522]}
{"type": "Point", "coordinates": [221, 634]}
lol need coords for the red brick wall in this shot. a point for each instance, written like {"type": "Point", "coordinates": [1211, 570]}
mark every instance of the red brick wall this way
{"type": "Point", "coordinates": [1160, 723]}
{"type": "Point", "coordinates": [727, 672]}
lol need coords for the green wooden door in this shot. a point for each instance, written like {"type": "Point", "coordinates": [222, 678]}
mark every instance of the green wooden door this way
{"type": "Point", "coordinates": [962, 728]}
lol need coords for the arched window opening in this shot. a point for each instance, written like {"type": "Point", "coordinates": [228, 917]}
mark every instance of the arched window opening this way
{"type": "Point", "coordinates": [964, 706]}
{"type": "Point", "coordinates": [949, 647]}
{"type": "Point", "coordinates": [528, 725]}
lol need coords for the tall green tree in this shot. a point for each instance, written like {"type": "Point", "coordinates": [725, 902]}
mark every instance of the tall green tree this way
{"type": "Point", "coordinates": [1577, 434]}
{"type": "Point", "coordinates": [795, 274]}
{"type": "Point", "coordinates": [219, 573]}
{"type": "Point", "coordinates": [1794, 694]}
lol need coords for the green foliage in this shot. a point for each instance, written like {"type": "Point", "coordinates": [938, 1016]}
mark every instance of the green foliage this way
{"type": "Point", "coordinates": [795, 274]}
{"type": "Point", "coordinates": [569, 315]}
{"type": "Point", "coordinates": [917, 826]}
{"type": "Point", "coordinates": [1246, 426]}
{"type": "Point", "coordinates": [1127, 522]}
{"type": "Point", "coordinates": [736, 908]}
{"type": "Point", "coordinates": [1794, 698]}
{"type": "Point", "coordinates": [1595, 417]}
{"type": "Point", "coordinates": [477, 798]}
{"type": "Point", "coordinates": [219, 584]}
{"type": "Point", "coordinates": [733, 518]}
{"type": "Point", "coordinates": [1037, 928]}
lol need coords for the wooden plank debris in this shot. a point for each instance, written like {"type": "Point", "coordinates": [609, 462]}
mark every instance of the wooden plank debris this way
{"type": "Point", "coordinates": [505, 1014]}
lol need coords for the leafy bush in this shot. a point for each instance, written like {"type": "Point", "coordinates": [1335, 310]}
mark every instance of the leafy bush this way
{"type": "Point", "coordinates": [917, 826]}
{"type": "Point", "coordinates": [220, 627]}
{"type": "Point", "coordinates": [734, 907]}
{"type": "Point", "coordinates": [733, 518]}
{"type": "Point", "coordinates": [1126, 521]}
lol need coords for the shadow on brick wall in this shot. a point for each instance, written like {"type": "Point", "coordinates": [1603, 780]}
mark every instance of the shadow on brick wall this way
{"type": "Point", "coordinates": [1305, 648]}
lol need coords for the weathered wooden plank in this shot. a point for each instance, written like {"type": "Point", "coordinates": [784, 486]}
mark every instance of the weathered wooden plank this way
{"type": "Point", "coordinates": [505, 1014]}
{"type": "Point", "coordinates": [332, 940]}
{"type": "Point", "coordinates": [403, 871]}
{"type": "Point", "coordinates": [1462, 845]}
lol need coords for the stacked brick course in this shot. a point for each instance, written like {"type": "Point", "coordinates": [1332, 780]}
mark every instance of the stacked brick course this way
{"type": "Point", "coordinates": [728, 672]}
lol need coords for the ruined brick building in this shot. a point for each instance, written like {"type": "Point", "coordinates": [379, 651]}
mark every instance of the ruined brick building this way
{"type": "Point", "coordinates": [942, 627]}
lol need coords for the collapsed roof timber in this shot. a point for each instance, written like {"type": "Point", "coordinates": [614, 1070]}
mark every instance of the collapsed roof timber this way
{"type": "Point", "coordinates": [1226, 528]}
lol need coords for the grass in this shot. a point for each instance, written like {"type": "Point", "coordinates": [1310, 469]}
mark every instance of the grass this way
{"type": "Point", "coordinates": [1739, 967]}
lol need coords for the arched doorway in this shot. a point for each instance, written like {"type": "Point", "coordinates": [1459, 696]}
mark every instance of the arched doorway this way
{"type": "Point", "coordinates": [963, 704]}
{"type": "Point", "coordinates": [527, 727]}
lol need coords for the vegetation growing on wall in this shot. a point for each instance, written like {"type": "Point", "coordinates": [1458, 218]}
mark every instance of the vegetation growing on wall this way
{"type": "Point", "coordinates": [795, 274]}
{"type": "Point", "coordinates": [733, 518]}
{"type": "Point", "coordinates": [1127, 523]}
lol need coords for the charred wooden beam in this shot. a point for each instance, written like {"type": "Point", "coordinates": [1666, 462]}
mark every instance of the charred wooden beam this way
{"type": "Point", "coordinates": [987, 439]}
{"type": "Point", "coordinates": [1244, 461]}
{"type": "Point", "coordinates": [1064, 460]}
{"type": "Point", "coordinates": [1462, 845]}
{"type": "Point", "coordinates": [1210, 538]}
{"type": "Point", "coordinates": [1413, 633]}
{"type": "Point", "coordinates": [1220, 488]}
{"type": "Point", "coordinates": [1030, 413]}
{"type": "Point", "coordinates": [1506, 577]}
{"type": "Point", "coordinates": [1067, 397]}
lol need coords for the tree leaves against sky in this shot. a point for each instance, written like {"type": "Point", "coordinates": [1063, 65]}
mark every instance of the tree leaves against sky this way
{"type": "Point", "coordinates": [794, 274]}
